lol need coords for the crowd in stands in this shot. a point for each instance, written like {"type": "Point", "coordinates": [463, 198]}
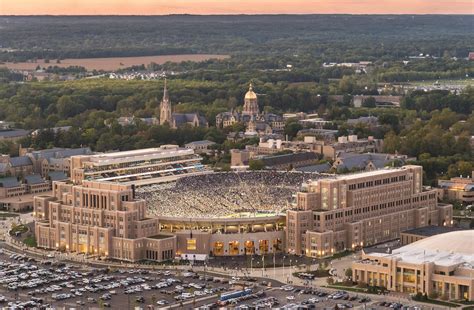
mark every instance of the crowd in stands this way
{"type": "Point", "coordinates": [224, 194]}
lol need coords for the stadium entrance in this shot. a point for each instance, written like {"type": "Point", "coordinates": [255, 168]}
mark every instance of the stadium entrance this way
{"type": "Point", "coordinates": [234, 248]}
{"type": "Point", "coordinates": [249, 247]}
{"type": "Point", "coordinates": [263, 246]}
{"type": "Point", "coordinates": [218, 249]}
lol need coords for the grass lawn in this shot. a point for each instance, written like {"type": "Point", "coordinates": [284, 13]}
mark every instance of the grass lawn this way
{"type": "Point", "coordinates": [349, 288]}
{"type": "Point", "coordinates": [317, 273]}
{"type": "Point", "coordinates": [30, 241]}
{"type": "Point", "coordinates": [19, 228]}
{"type": "Point", "coordinates": [341, 254]}
{"type": "Point", "coordinates": [439, 302]}
{"type": "Point", "coordinates": [4, 215]}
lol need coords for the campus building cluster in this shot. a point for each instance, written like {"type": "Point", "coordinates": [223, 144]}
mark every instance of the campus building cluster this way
{"type": "Point", "coordinates": [256, 122]}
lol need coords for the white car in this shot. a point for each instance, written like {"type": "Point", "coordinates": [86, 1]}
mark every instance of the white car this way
{"type": "Point", "coordinates": [289, 298]}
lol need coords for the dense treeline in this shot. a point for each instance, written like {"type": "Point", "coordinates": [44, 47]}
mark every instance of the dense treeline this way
{"type": "Point", "coordinates": [46, 104]}
{"type": "Point", "coordinates": [330, 37]}
{"type": "Point", "coordinates": [439, 139]}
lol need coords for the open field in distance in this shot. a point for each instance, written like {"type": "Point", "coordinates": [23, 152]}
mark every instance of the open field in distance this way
{"type": "Point", "coordinates": [112, 63]}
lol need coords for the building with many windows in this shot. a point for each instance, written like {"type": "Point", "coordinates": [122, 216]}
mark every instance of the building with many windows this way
{"type": "Point", "coordinates": [99, 218]}
{"type": "Point", "coordinates": [439, 266]}
{"type": "Point", "coordinates": [106, 219]}
{"type": "Point", "coordinates": [355, 210]}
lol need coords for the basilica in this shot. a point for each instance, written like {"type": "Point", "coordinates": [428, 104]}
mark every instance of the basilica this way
{"type": "Point", "coordinates": [256, 122]}
{"type": "Point", "coordinates": [175, 120]}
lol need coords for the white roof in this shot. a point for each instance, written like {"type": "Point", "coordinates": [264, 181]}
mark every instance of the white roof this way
{"type": "Point", "coordinates": [138, 155]}
{"type": "Point", "coordinates": [446, 249]}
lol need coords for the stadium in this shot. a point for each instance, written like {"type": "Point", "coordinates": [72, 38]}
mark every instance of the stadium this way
{"type": "Point", "coordinates": [228, 213]}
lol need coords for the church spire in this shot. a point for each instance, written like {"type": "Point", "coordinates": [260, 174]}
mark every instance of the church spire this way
{"type": "Point", "coordinates": [165, 92]}
{"type": "Point", "coordinates": [165, 107]}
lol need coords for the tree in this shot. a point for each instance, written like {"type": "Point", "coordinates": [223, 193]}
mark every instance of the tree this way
{"type": "Point", "coordinates": [256, 164]}
{"type": "Point", "coordinates": [292, 128]}
{"type": "Point", "coordinates": [348, 272]}
{"type": "Point", "coordinates": [369, 102]}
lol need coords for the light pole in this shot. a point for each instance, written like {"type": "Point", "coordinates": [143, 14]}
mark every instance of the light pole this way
{"type": "Point", "coordinates": [274, 264]}
{"type": "Point", "coordinates": [289, 273]}
{"type": "Point", "coordinates": [284, 266]}
{"type": "Point", "coordinates": [251, 265]}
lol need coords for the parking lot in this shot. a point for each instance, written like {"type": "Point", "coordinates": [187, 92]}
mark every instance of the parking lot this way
{"type": "Point", "coordinates": [289, 297]}
{"type": "Point", "coordinates": [27, 283]}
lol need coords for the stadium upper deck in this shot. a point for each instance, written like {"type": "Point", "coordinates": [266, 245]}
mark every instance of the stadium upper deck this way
{"type": "Point", "coordinates": [139, 167]}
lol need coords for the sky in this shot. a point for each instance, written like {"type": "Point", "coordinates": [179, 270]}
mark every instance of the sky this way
{"type": "Point", "coordinates": [163, 7]}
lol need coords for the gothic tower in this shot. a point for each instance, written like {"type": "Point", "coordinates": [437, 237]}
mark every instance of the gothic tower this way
{"type": "Point", "coordinates": [250, 103]}
{"type": "Point", "coordinates": [165, 108]}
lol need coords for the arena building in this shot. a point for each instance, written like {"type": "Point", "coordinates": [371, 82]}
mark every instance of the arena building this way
{"type": "Point", "coordinates": [440, 266]}
{"type": "Point", "coordinates": [355, 210]}
{"type": "Point", "coordinates": [226, 214]}
{"type": "Point", "coordinates": [138, 167]}
{"type": "Point", "coordinates": [219, 214]}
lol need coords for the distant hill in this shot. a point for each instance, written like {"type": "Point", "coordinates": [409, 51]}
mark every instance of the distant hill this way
{"type": "Point", "coordinates": [341, 36]}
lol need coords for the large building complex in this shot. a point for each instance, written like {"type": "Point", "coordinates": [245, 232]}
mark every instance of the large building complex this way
{"type": "Point", "coordinates": [256, 122]}
{"type": "Point", "coordinates": [138, 167]}
{"type": "Point", "coordinates": [440, 266]}
{"type": "Point", "coordinates": [227, 214]}
{"type": "Point", "coordinates": [99, 218]}
{"type": "Point", "coordinates": [355, 210]}
{"type": "Point", "coordinates": [106, 219]}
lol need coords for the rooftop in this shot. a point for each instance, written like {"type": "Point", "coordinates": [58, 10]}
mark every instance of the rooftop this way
{"type": "Point", "coordinates": [160, 237]}
{"type": "Point", "coordinates": [315, 168]}
{"type": "Point", "coordinates": [13, 133]}
{"type": "Point", "coordinates": [20, 161]}
{"type": "Point", "coordinates": [288, 158]}
{"type": "Point", "coordinates": [363, 174]}
{"type": "Point", "coordinates": [429, 231]}
{"type": "Point", "coordinates": [9, 182]}
{"type": "Point", "coordinates": [447, 249]}
{"type": "Point", "coordinates": [137, 155]}
{"type": "Point", "coordinates": [202, 142]}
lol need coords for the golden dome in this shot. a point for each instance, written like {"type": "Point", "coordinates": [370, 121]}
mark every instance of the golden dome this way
{"type": "Point", "coordinates": [250, 94]}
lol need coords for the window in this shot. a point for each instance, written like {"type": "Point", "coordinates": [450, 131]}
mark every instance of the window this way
{"type": "Point", "coordinates": [191, 244]}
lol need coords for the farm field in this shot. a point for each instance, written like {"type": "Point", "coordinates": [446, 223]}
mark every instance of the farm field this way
{"type": "Point", "coordinates": [112, 63]}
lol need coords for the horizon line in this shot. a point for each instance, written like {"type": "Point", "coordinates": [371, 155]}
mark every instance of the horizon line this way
{"type": "Point", "coordinates": [236, 14]}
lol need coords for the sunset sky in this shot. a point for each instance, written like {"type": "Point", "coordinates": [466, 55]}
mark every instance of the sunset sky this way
{"type": "Point", "coordinates": [161, 7]}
